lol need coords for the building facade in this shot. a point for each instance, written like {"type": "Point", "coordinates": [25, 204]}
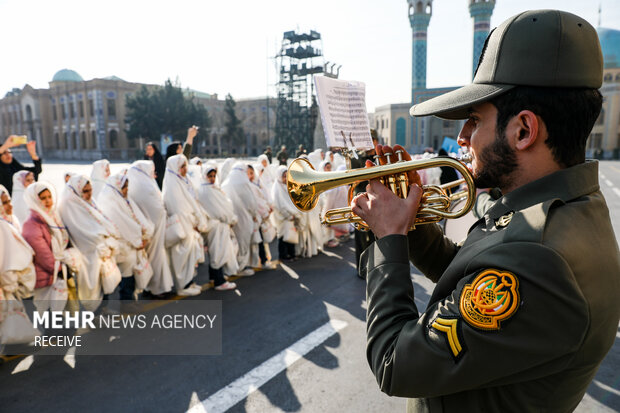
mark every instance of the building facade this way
{"type": "Point", "coordinates": [257, 116]}
{"type": "Point", "coordinates": [74, 118]}
{"type": "Point", "coordinates": [604, 140]}
{"type": "Point", "coordinates": [81, 119]}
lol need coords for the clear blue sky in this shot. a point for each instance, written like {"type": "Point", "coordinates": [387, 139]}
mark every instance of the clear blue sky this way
{"type": "Point", "coordinates": [224, 46]}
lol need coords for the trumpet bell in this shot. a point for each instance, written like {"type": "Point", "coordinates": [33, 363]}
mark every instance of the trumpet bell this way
{"type": "Point", "coordinates": [299, 181]}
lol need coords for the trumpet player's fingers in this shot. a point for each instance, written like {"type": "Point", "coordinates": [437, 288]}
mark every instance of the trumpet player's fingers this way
{"type": "Point", "coordinates": [382, 150]}
{"type": "Point", "coordinates": [414, 177]}
{"type": "Point", "coordinates": [384, 212]}
{"type": "Point", "coordinates": [358, 202]}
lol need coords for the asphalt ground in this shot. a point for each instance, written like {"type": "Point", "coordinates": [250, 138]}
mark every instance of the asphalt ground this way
{"type": "Point", "coordinates": [269, 314]}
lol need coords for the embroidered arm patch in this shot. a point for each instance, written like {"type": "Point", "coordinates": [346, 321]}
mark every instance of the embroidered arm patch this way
{"type": "Point", "coordinates": [491, 298]}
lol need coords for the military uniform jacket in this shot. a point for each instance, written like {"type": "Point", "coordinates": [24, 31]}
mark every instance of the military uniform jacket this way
{"type": "Point", "coordinates": [523, 312]}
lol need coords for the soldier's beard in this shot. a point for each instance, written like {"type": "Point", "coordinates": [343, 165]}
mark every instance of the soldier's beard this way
{"type": "Point", "coordinates": [495, 164]}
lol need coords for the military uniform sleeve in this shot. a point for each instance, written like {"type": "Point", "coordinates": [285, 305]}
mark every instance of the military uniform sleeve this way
{"type": "Point", "coordinates": [430, 251]}
{"type": "Point", "coordinates": [535, 322]}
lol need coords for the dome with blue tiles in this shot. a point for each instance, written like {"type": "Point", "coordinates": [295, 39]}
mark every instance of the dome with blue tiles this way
{"type": "Point", "coordinates": [610, 44]}
{"type": "Point", "coordinates": [67, 75]}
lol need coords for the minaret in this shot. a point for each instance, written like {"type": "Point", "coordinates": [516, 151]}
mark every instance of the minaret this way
{"type": "Point", "coordinates": [480, 11]}
{"type": "Point", "coordinates": [420, 12]}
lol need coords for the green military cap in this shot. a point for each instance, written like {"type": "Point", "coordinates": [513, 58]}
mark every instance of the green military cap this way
{"type": "Point", "coordinates": [547, 48]}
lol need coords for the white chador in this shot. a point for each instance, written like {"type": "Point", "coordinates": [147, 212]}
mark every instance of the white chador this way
{"type": "Point", "coordinates": [333, 199]}
{"type": "Point", "coordinates": [99, 174]}
{"type": "Point", "coordinates": [135, 229]}
{"type": "Point", "coordinates": [17, 273]}
{"type": "Point", "coordinates": [181, 201]}
{"type": "Point", "coordinates": [72, 258]}
{"type": "Point", "coordinates": [316, 157]}
{"type": "Point", "coordinates": [143, 190]}
{"type": "Point", "coordinates": [90, 232]}
{"type": "Point", "coordinates": [285, 214]}
{"type": "Point", "coordinates": [222, 243]}
{"type": "Point", "coordinates": [20, 210]}
{"type": "Point", "coordinates": [268, 176]}
{"type": "Point", "coordinates": [238, 188]}
{"type": "Point", "coordinates": [225, 168]}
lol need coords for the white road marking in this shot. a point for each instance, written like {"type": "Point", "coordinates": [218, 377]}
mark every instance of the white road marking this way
{"type": "Point", "coordinates": [23, 365]}
{"type": "Point", "coordinates": [607, 388]}
{"type": "Point", "coordinates": [245, 385]}
{"type": "Point", "coordinates": [69, 357]}
{"type": "Point", "coordinates": [290, 271]}
{"type": "Point", "coordinates": [352, 249]}
{"type": "Point", "coordinates": [331, 254]}
{"type": "Point", "coordinates": [602, 176]}
{"type": "Point", "coordinates": [352, 264]}
{"type": "Point", "coordinates": [609, 183]}
{"type": "Point", "coordinates": [617, 191]}
{"type": "Point", "coordinates": [194, 400]}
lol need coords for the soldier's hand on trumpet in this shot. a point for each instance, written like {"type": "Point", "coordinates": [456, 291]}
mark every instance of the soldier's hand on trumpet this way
{"type": "Point", "coordinates": [383, 211]}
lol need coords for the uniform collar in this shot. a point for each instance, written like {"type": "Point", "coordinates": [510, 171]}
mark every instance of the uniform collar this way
{"type": "Point", "coordinates": [564, 185]}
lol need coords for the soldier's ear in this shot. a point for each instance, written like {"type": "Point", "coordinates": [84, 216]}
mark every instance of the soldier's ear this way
{"type": "Point", "coordinates": [526, 129]}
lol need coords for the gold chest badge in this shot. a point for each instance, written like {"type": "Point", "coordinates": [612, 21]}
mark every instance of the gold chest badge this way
{"type": "Point", "coordinates": [491, 298]}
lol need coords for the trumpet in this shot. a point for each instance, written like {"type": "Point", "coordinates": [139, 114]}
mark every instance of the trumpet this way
{"type": "Point", "coordinates": [306, 184]}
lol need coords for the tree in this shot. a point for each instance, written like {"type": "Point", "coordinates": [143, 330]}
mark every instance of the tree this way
{"type": "Point", "coordinates": [163, 111]}
{"type": "Point", "coordinates": [234, 135]}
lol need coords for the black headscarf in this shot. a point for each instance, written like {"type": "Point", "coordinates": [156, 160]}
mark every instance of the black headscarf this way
{"type": "Point", "coordinates": [158, 160]}
{"type": "Point", "coordinates": [171, 150]}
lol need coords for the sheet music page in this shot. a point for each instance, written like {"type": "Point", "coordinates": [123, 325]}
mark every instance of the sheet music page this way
{"type": "Point", "coordinates": [343, 112]}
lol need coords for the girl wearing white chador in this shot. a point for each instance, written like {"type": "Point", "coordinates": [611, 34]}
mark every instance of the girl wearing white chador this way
{"type": "Point", "coordinates": [238, 188]}
{"type": "Point", "coordinates": [268, 176]}
{"type": "Point", "coordinates": [21, 180]}
{"type": "Point", "coordinates": [316, 157]}
{"type": "Point", "coordinates": [65, 258]}
{"type": "Point", "coordinates": [266, 232]}
{"type": "Point", "coordinates": [145, 193]}
{"type": "Point", "coordinates": [182, 204]}
{"type": "Point", "coordinates": [98, 176]}
{"type": "Point", "coordinates": [333, 199]}
{"type": "Point", "coordinates": [225, 168]}
{"type": "Point", "coordinates": [90, 231]}
{"type": "Point", "coordinates": [17, 273]}
{"type": "Point", "coordinates": [221, 239]}
{"type": "Point", "coordinates": [135, 229]}
{"type": "Point", "coordinates": [285, 215]}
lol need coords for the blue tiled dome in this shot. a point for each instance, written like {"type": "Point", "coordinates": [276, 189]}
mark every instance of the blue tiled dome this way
{"type": "Point", "coordinates": [67, 75]}
{"type": "Point", "coordinates": [610, 44]}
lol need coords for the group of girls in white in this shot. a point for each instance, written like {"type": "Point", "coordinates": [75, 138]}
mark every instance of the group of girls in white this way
{"type": "Point", "coordinates": [120, 232]}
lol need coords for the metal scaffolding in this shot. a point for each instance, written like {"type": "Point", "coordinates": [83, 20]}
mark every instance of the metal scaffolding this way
{"type": "Point", "coordinates": [300, 58]}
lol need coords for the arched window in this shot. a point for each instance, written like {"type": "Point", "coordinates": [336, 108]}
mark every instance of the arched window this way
{"type": "Point", "coordinates": [401, 131]}
{"type": "Point", "coordinates": [57, 140]}
{"type": "Point", "coordinates": [618, 77]}
{"type": "Point", "coordinates": [419, 7]}
{"type": "Point", "coordinates": [84, 144]}
{"type": "Point", "coordinates": [93, 139]}
{"type": "Point", "coordinates": [65, 141]}
{"type": "Point", "coordinates": [608, 77]}
{"type": "Point", "coordinates": [208, 152]}
{"type": "Point", "coordinates": [113, 139]}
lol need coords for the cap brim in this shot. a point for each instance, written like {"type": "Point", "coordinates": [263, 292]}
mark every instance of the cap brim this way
{"type": "Point", "coordinates": [456, 104]}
